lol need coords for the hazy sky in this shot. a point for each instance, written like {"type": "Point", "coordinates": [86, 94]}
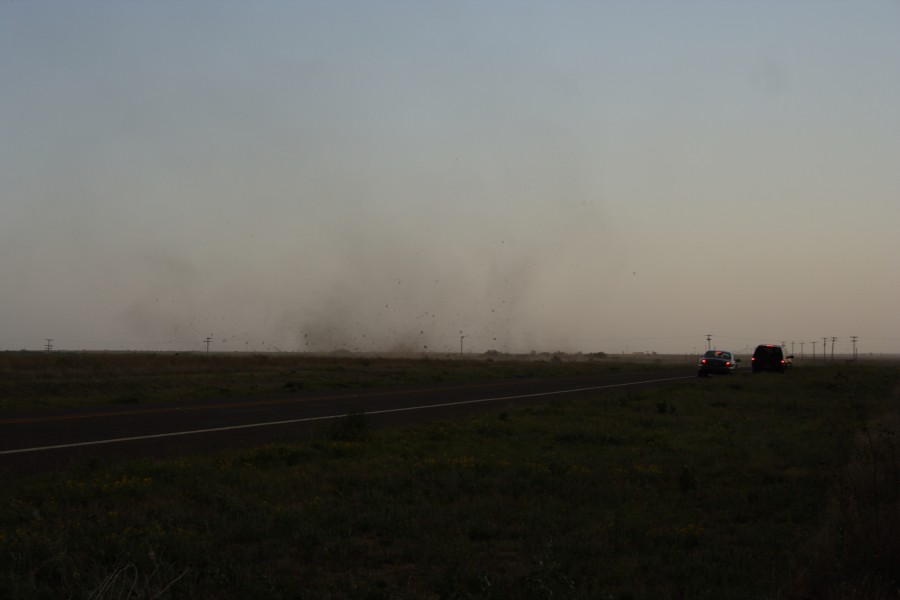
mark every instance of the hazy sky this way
{"type": "Point", "coordinates": [374, 175]}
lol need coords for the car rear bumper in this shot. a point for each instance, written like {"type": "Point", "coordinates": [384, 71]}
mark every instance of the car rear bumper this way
{"type": "Point", "coordinates": [707, 370]}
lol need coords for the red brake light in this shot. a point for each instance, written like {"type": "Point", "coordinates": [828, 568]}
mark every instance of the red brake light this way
{"type": "Point", "coordinates": [727, 363]}
{"type": "Point", "coordinates": [703, 361]}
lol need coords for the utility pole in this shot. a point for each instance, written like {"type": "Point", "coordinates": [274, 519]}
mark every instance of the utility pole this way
{"type": "Point", "coordinates": [814, 352]}
{"type": "Point", "coordinates": [709, 341]}
{"type": "Point", "coordinates": [461, 338]}
{"type": "Point", "coordinates": [833, 340]}
{"type": "Point", "coordinates": [801, 350]}
{"type": "Point", "coordinates": [208, 340]}
{"type": "Point", "coordinates": [49, 345]}
{"type": "Point", "coordinates": [824, 349]}
{"type": "Point", "coordinates": [792, 347]}
{"type": "Point", "coordinates": [853, 338]}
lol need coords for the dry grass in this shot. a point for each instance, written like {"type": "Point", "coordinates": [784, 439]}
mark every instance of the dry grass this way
{"type": "Point", "coordinates": [856, 554]}
{"type": "Point", "coordinates": [40, 380]}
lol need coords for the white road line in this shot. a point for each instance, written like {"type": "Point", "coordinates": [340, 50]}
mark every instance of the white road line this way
{"type": "Point", "coordinates": [327, 417]}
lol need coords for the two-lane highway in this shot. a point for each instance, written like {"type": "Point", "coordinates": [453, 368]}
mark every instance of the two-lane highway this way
{"type": "Point", "coordinates": [52, 439]}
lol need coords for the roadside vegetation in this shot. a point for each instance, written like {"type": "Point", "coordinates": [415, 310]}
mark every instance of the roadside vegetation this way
{"type": "Point", "coordinates": [765, 486]}
{"type": "Point", "coordinates": [59, 379]}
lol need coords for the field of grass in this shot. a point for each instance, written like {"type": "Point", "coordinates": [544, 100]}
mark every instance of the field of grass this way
{"type": "Point", "coordinates": [767, 486]}
{"type": "Point", "coordinates": [42, 380]}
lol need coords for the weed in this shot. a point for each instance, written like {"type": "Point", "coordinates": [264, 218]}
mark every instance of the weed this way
{"type": "Point", "coordinates": [664, 407]}
{"type": "Point", "coordinates": [128, 581]}
{"type": "Point", "coordinates": [274, 455]}
{"type": "Point", "coordinates": [350, 428]}
{"type": "Point", "coordinates": [686, 481]}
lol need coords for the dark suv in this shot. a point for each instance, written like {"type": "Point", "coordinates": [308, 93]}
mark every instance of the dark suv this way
{"type": "Point", "coordinates": [769, 357]}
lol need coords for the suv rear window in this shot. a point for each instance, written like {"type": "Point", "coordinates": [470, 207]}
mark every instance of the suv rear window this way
{"type": "Point", "coordinates": [768, 351]}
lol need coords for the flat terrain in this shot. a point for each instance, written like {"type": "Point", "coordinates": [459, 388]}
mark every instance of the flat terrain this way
{"type": "Point", "coordinates": [35, 380]}
{"type": "Point", "coordinates": [51, 438]}
{"type": "Point", "coordinates": [753, 486]}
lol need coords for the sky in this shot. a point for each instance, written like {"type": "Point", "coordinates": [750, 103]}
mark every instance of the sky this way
{"type": "Point", "coordinates": [420, 175]}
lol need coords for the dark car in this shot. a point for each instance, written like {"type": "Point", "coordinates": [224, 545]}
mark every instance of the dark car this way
{"type": "Point", "coordinates": [770, 357]}
{"type": "Point", "coordinates": [717, 362]}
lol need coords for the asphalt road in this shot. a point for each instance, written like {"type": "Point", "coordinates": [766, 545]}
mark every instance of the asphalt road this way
{"type": "Point", "coordinates": [49, 440]}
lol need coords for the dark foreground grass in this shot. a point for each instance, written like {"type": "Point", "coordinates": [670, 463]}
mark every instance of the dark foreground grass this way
{"type": "Point", "coordinates": [43, 380]}
{"type": "Point", "coordinates": [748, 487]}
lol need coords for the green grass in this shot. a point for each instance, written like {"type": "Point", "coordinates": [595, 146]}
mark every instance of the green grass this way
{"type": "Point", "coordinates": [768, 486]}
{"type": "Point", "coordinates": [43, 380]}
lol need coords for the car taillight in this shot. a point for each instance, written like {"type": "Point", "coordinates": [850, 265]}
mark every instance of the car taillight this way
{"type": "Point", "coordinates": [752, 358]}
{"type": "Point", "coordinates": [727, 363]}
{"type": "Point", "coordinates": [782, 361]}
{"type": "Point", "coordinates": [703, 361]}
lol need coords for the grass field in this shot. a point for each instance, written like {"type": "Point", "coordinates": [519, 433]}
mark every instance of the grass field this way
{"type": "Point", "coordinates": [767, 486]}
{"type": "Point", "coordinates": [31, 380]}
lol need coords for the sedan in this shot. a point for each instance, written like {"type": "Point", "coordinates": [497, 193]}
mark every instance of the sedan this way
{"type": "Point", "coordinates": [719, 362]}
